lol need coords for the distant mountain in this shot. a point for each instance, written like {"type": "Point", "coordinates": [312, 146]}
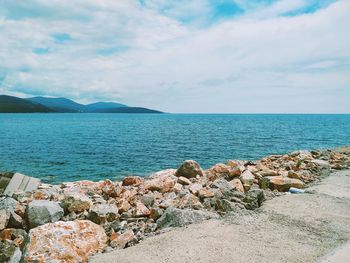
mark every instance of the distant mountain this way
{"type": "Point", "coordinates": [43, 104]}
{"type": "Point", "coordinates": [59, 104]}
{"type": "Point", "coordinates": [10, 104]}
{"type": "Point", "coordinates": [131, 110]}
{"type": "Point", "coordinates": [102, 106]}
{"type": "Point", "coordinates": [67, 105]}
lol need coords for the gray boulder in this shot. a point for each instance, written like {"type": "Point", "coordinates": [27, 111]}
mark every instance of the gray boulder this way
{"type": "Point", "coordinates": [247, 179]}
{"type": "Point", "coordinates": [189, 169]}
{"type": "Point", "coordinates": [224, 205]}
{"type": "Point", "coordinates": [222, 184]}
{"type": "Point", "coordinates": [103, 213]}
{"type": "Point", "coordinates": [8, 215]}
{"type": "Point", "coordinates": [174, 217]}
{"type": "Point", "coordinates": [148, 200]}
{"type": "Point", "coordinates": [254, 199]}
{"type": "Point", "coordinates": [40, 212]}
{"type": "Point", "coordinates": [4, 218]}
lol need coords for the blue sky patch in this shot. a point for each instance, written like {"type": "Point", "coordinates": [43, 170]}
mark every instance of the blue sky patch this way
{"type": "Point", "coordinates": [225, 9]}
{"type": "Point", "coordinates": [41, 50]}
{"type": "Point", "coordinates": [60, 38]}
{"type": "Point", "coordinates": [311, 7]}
{"type": "Point", "coordinates": [111, 50]}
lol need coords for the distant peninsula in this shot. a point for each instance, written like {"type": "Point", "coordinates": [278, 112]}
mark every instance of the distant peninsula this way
{"type": "Point", "coordinates": [11, 104]}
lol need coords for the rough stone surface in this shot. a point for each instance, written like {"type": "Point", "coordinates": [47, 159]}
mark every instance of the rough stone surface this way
{"type": "Point", "coordinates": [4, 218]}
{"type": "Point", "coordinates": [247, 179]}
{"type": "Point", "coordinates": [283, 184]}
{"type": "Point", "coordinates": [189, 169]}
{"type": "Point", "coordinates": [237, 185]}
{"type": "Point", "coordinates": [205, 193]}
{"type": "Point", "coordinates": [40, 212]}
{"type": "Point", "coordinates": [254, 198]}
{"type": "Point", "coordinates": [18, 237]}
{"type": "Point", "coordinates": [141, 210]}
{"type": "Point", "coordinates": [132, 180]}
{"type": "Point", "coordinates": [174, 217]}
{"type": "Point", "coordinates": [61, 241]}
{"type": "Point", "coordinates": [9, 252]}
{"type": "Point", "coordinates": [10, 215]}
{"type": "Point", "coordinates": [195, 188]}
{"type": "Point", "coordinates": [183, 180]}
{"type": "Point", "coordinates": [148, 200]}
{"type": "Point", "coordinates": [76, 202]}
{"type": "Point", "coordinates": [162, 184]}
{"type": "Point", "coordinates": [102, 213]}
{"type": "Point", "coordinates": [122, 240]}
{"type": "Point", "coordinates": [222, 184]}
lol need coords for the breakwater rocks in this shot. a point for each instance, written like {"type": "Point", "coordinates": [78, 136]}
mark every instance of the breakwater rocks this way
{"type": "Point", "coordinates": [71, 221]}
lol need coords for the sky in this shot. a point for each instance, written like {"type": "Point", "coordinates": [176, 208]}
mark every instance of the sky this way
{"type": "Point", "coordinates": [200, 56]}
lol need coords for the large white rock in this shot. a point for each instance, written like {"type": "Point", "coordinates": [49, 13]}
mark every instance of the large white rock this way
{"type": "Point", "coordinates": [72, 241]}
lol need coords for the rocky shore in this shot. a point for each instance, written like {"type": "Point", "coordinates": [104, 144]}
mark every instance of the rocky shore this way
{"type": "Point", "coordinates": [72, 221]}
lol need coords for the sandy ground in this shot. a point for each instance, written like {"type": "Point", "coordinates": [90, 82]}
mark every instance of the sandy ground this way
{"type": "Point", "coordinates": [290, 228]}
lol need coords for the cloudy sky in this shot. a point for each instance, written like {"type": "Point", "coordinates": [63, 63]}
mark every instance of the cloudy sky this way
{"type": "Point", "coordinates": [180, 55]}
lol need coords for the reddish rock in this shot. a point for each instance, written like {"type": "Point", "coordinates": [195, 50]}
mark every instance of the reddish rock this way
{"type": "Point", "coordinates": [129, 195]}
{"type": "Point", "coordinates": [40, 195]}
{"type": "Point", "coordinates": [141, 210]}
{"type": "Point", "coordinates": [293, 174]}
{"type": "Point", "coordinates": [189, 169]}
{"type": "Point", "coordinates": [110, 189]}
{"type": "Point", "coordinates": [268, 172]}
{"type": "Point", "coordinates": [205, 193]}
{"type": "Point", "coordinates": [123, 205]}
{"type": "Point", "coordinates": [233, 163]}
{"type": "Point", "coordinates": [237, 185]}
{"type": "Point", "coordinates": [132, 180]}
{"type": "Point", "coordinates": [122, 240]}
{"type": "Point", "coordinates": [283, 184]}
{"type": "Point", "coordinates": [232, 171]}
{"type": "Point", "coordinates": [161, 184]}
{"type": "Point", "coordinates": [183, 180]}
{"type": "Point", "coordinates": [72, 241]}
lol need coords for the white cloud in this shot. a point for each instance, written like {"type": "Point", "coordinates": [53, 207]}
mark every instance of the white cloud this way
{"type": "Point", "coordinates": [121, 50]}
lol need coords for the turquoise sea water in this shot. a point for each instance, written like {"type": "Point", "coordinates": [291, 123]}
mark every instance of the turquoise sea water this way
{"type": "Point", "coordinates": [67, 147]}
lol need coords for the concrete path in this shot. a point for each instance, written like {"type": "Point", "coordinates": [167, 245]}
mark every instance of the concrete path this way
{"type": "Point", "coordinates": [340, 255]}
{"type": "Point", "coordinates": [290, 228]}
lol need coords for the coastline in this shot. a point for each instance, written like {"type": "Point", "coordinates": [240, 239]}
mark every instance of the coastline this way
{"type": "Point", "coordinates": [97, 217]}
{"type": "Point", "coordinates": [289, 228]}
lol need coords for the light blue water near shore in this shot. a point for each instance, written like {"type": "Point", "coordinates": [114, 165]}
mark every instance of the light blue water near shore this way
{"type": "Point", "coordinates": [67, 147]}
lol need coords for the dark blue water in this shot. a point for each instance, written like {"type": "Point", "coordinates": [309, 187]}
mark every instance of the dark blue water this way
{"type": "Point", "coordinates": [65, 147]}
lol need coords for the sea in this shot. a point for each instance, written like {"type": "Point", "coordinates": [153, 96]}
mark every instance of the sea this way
{"type": "Point", "coordinates": [69, 147]}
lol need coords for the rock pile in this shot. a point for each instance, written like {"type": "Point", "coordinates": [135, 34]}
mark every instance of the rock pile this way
{"type": "Point", "coordinates": [71, 221]}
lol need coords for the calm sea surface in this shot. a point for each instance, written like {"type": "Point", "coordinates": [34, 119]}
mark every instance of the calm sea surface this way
{"type": "Point", "coordinates": [66, 147]}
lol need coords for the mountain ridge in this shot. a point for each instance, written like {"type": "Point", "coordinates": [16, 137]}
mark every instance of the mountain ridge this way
{"type": "Point", "coordinates": [11, 104]}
